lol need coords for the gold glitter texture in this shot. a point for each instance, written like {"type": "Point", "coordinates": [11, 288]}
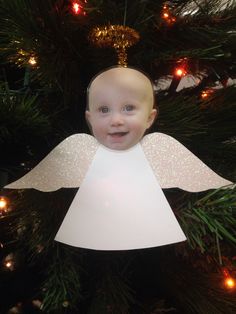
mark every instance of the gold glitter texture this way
{"type": "Point", "coordinates": [65, 166]}
{"type": "Point", "coordinates": [175, 166]}
{"type": "Point", "coordinates": [119, 37]}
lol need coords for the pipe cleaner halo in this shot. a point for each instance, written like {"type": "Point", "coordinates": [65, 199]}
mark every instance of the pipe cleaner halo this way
{"type": "Point", "coordinates": [119, 37]}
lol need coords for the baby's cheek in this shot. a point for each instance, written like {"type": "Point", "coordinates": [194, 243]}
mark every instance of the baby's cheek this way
{"type": "Point", "coordinates": [99, 131]}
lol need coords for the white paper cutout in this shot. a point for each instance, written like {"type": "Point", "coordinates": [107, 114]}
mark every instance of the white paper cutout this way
{"type": "Point", "coordinates": [119, 206]}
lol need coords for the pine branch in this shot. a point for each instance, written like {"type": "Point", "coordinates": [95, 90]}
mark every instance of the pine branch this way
{"type": "Point", "coordinates": [206, 127]}
{"type": "Point", "coordinates": [113, 293]}
{"type": "Point", "coordinates": [180, 117]}
{"type": "Point", "coordinates": [61, 289]}
{"type": "Point", "coordinates": [212, 215]}
{"type": "Point", "coordinates": [46, 30]}
{"type": "Point", "coordinates": [20, 116]}
{"type": "Point", "coordinates": [196, 292]}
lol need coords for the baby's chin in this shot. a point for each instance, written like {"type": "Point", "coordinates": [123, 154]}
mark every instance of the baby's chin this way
{"type": "Point", "coordinates": [119, 146]}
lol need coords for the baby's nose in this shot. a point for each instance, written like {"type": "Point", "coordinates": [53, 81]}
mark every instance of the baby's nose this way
{"type": "Point", "coordinates": [117, 119]}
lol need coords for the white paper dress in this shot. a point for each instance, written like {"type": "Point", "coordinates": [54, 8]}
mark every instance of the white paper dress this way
{"type": "Point", "coordinates": [120, 204]}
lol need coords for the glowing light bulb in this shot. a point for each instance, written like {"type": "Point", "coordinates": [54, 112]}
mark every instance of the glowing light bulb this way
{"type": "Point", "coordinates": [167, 15]}
{"type": "Point", "coordinates": [3, 203]}
{"type": "Point", "coordinates": [204, 94]}
{"type": "Point", "coordinates": [229, 282]}
{"type": "Point", "coordinates": [8, 264]}
{"type": "Point", "coordinates": [180, 72]}
{"type": "Point", "coordinates": [32, 61]}
{"type": "Point", "coordinates": [76, 7]}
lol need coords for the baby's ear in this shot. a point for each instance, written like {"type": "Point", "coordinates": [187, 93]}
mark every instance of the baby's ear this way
{"type": "Point", "coordinates": [152, 116]}
{"type": "Point", "coordinates": [88, 116]}
{"type": "Point", "coordinates": [88, 119]}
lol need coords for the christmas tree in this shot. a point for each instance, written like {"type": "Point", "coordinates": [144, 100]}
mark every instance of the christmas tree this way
{"type": "Point", "coordinates": [50, 50]}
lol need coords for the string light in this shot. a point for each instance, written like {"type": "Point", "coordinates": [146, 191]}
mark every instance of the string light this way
{"type": "Point", "coordinates": [77, 8]}
{"type": "Point", "coordinates": [167, 16]}
{"type": "Point", "coordinates": [32, 61]}
{"type": "Point", "coordinates": [3, 203]}
{"type": "Point", "coordinates": [8, 262]}
{"type": "Point", "coordinates": [206, 93]}
{"type": "Point", "coordinates": [23, 58]}
{"type": "Point", "coordinates": [181, 68]}
{"type": "Point", "coordinates": [229, 281]}
{"type": "Point", "coordinates": [9, 265]}
{"type": "Point", "coordinates": [180, 72]}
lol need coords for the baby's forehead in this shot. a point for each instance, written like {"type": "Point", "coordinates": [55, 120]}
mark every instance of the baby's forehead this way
{"type": "Point", "coordinates": [127, 81]}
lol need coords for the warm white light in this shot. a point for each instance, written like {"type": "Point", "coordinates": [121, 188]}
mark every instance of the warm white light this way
{"type": "Point", "coordinates": [3, 203]}
{"type": "Point", "coordinates": [32, 61]}
{"type": "Point", "coordinates": [230, 283]}
{"type": "Point", "coordinates": [180, 72]}
{"type": "Point", "coordinates": [8, 264]}
{"type": "Point", "coordinates": [204, 94]}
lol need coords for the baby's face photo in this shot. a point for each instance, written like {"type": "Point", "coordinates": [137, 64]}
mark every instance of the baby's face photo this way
{"type": "Point", "coordinates": [120, 107]}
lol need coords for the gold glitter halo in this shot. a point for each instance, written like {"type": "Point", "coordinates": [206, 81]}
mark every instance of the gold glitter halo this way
{"type": "Point", "coordinates": [119, 37]}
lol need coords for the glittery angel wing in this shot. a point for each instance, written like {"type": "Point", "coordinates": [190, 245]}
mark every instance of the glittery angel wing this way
{"type": "Point", "coordinates": [175, 166]}
{"type": "Point", "coordinates": [65, 166]}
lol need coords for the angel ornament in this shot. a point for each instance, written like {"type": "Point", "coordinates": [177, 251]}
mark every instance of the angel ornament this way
{"type": "Point", "coordinates": [120, 204]}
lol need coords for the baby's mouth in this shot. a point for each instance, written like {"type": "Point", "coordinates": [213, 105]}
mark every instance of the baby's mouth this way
{"type": "Point", "coordinates": [117, 134]}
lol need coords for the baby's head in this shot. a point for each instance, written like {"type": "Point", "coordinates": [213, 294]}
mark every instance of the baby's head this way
{"type": "Point", "coordinates": [120, 107]}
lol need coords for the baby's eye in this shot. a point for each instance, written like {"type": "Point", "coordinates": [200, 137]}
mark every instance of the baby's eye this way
{"type": "Point", "coordinates": [129, 107]}
{"type": "Point", "coordinates": [103, 109]}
